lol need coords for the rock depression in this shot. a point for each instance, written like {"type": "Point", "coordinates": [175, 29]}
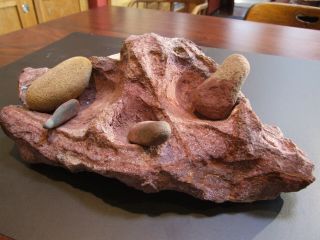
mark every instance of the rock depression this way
{"type": "Point", "coordinates": [236, 159]}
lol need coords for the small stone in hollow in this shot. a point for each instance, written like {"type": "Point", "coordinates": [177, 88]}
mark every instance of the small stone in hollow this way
{"type": "Point", "coordinates": [148, 133]}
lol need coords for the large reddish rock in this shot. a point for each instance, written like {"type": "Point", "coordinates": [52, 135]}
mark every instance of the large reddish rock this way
{"type": "Point", "coordinates": [237, 159]}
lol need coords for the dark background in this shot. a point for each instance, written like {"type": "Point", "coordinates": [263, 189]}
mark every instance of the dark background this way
{"type": "Point", "coordinates": [43, 202]}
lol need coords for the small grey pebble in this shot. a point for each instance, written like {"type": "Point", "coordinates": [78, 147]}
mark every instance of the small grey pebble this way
{"type": "Point", "coordinates": [62, 114]}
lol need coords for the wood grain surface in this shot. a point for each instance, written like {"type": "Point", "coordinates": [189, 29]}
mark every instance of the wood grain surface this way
{"type": "Point", "coordinates": [231, 34]}
{"type": "Point", "coordinates": [13, 18]}
{"type": "Point", "coordinates": [285, 14]}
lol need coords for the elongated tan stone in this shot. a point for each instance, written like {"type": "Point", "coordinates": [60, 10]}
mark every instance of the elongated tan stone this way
{"type": "Point", "coordinates": [216, 96]}
{"type": "Point", "coordinates": [65, 81]}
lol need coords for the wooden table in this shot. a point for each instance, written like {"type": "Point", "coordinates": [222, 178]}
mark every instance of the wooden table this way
{"type": "Point", "coordinates": [42, 202]}
{"type": "Point", "coordinates": [208, 31]}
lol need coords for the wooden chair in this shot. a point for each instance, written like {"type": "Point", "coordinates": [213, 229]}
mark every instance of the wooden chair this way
{"type": "Point", "coordinates": [285, 14]}
{"type": "Point", "coordinates": [196, 7]}
{"type": "Point", "coordinates": [200, 9]}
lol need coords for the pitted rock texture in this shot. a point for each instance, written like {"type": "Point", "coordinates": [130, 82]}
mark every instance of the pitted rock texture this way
{"type": "Point", "coordinates": [238, 159]}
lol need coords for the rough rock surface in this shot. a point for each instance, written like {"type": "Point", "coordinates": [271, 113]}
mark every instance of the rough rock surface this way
{"type": "Point", "coordinates": [238, 159]}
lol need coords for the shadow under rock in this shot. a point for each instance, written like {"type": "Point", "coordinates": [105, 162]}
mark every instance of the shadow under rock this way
{"type": "Point", "coordinates": [119, 195]}
{"type": "Point", "coordinates": [230, 221]}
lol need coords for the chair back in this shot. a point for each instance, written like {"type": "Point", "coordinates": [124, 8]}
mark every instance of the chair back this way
{"type": "Point", "coordinates": [285, 14]}
{"type": "Point", "coordinates": [153, 4]}
{"type": "Point", "coordinates": [192, 6]}
{"type": "Point", "coordinates": [200, 9]}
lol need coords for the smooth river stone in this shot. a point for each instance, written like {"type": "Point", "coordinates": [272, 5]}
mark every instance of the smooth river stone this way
{"type": "Point", "coordinates": [149, 133]}
{"type": "Point", "coordinates": [65, 81]}
{"type": "Point", "coordinates": [216, 97]}
{"type": "Point", "coordinates": [62, 114]}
